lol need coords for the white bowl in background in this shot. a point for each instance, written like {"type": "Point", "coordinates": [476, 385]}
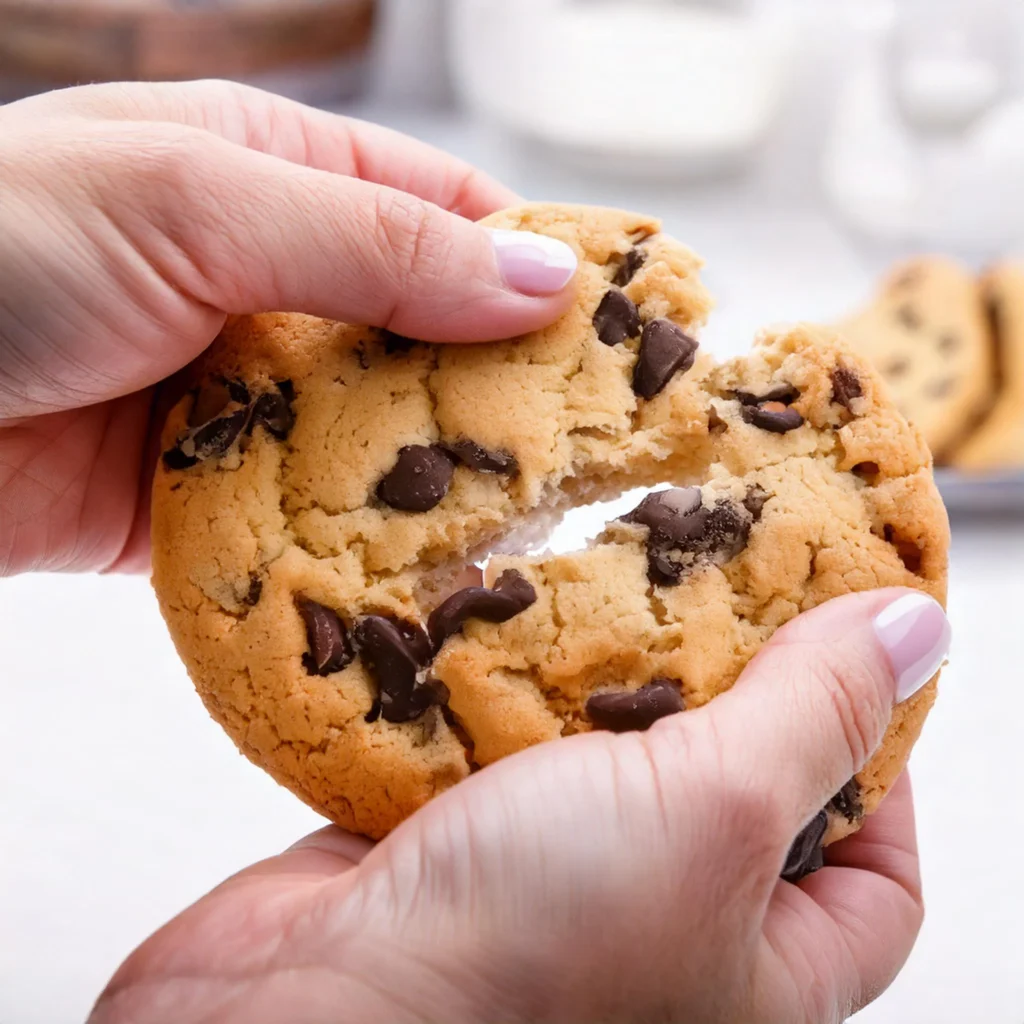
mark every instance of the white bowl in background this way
{"type": "Point", "coordinates": [637, 86]}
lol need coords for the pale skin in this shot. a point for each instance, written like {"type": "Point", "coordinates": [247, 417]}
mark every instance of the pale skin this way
{"type": "Point", "coordinates": [599, 878]}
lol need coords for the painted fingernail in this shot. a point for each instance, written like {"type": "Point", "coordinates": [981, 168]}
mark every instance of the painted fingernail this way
{"type": "Point", "coordinates": [915, 633]}
{"type": "Point", "coordinates": [533, 264]}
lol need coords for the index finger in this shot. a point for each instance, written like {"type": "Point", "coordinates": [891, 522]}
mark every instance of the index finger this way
{"type": "Point", "coordinates": [291, 131]}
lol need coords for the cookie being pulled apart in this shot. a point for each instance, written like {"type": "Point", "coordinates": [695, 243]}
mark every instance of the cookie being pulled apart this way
{"type": "Point", "coordinates": [324, 488]}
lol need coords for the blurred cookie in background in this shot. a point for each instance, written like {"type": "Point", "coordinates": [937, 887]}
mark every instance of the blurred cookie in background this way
{"type": "Point", "coordinates": [998, 443]}
{"type": "Point", "coordinates": [927, 332]}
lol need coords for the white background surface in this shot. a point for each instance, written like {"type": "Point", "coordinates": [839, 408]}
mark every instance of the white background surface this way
{"type": "Point", "coordinates": [120, 801]}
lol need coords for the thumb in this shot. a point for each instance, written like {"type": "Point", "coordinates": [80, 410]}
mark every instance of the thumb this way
{"type": "Point", "coordinates": [815, 703]}
{"type": "Point", "coordinates": [253, 232]}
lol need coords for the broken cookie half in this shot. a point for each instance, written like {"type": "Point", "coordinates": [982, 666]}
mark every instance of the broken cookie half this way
{"type": "Point", "coordinates": [325, 487]}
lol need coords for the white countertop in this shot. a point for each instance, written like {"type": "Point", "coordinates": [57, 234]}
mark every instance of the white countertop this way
{"type": "Point", "coordinates": [121, 801]}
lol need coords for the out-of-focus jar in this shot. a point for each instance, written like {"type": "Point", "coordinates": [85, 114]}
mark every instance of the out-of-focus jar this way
{"type": "Point", "coordinates": [313, 49]}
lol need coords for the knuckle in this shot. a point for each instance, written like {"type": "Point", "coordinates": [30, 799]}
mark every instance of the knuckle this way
{"type": "Point", "coordinates": [747, 810]}
{"type": "Point", "coordinates": [414, 239]}
{"type": "Point", "coordinates": [856, 699]}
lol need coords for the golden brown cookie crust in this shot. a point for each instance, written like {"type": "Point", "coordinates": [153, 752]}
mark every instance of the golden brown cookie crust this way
{"type": "Point", "coordinates": [237, 538]}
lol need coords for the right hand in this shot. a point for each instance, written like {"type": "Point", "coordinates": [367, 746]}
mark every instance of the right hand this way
{"type": "Point", "coordinates": [630, 878]}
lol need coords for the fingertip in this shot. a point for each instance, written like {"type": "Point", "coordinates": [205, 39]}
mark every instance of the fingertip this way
{"type": "Point", "coordinates": [531, 264]}
{"type": "Point", "coordinates": [915, 633]}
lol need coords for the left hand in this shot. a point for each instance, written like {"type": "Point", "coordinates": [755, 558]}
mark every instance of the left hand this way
{"type": "Point", "coordinates": [135, 218]}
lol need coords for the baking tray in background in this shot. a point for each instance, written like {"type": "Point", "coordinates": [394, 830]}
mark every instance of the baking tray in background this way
{"type": "Point", "coordinates": [967, 495]}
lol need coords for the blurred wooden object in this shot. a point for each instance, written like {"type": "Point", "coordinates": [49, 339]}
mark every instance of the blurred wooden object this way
{"type": "Point", "coordinates": [60, 42]}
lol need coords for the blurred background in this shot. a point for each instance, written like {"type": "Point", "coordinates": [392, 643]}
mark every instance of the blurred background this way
{"type": "Point", "coordinates": [803, 148]}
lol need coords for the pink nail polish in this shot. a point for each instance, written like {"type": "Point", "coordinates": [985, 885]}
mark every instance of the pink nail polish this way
{"type": "Point", "coordinates": [533, 264]}
{"type": "Point", "coordinates": [916, 635]}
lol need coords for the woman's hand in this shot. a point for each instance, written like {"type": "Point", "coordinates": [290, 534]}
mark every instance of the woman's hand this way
{"type": "Point", "coordinates": [134, 218]}
{"type": "Point", "coordinates": [597, 878]}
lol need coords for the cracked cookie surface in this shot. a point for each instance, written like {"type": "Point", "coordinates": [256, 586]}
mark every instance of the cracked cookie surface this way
{"type": "Point", "coordinates": [324, 486]}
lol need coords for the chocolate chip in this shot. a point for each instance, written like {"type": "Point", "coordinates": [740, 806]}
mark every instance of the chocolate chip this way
{"type": "Point", "coordinates": [287, 388]}
{"type": "Point", "coordinates": [716, 425]}
{"type": "Point", "coordinates": [784, 393]}
{"type": "Point", "coordinates": [273, 410]}
{"type": "Point", "coordinates": [680, 524]}
{"type": "Point", "coordinates": [664, 351]}
{"type": "Point", "coordinates": [175, 458]}
{"type": "Point", "coordinates": [212, 436]}
{"type": "Point", "coordinates": [395, 654]}
{"type": "Point", "coordinates": [512, 594]}
{"type": "Point", "coordinates": [773, 416]}
{"type": "Point", "coordinates": [329, 647]}
{"type": "Point", "coordinates": [847, 801]}
{"type": "Point", "coordinates": [909, 317]}
{"type": "Point", "coordinates": [362, 357]}
{"type": "Point", "coordinates": [374, 713]}
{"type": "Point", "coordinates": [867, 471]}
{"type": "Point", "coordinates": [941, 388]}
{"type": "Point", "coordinates": [396, 343]}
{"type": "Point", "coordinates": [755, 501]}
{"type": "Point", "coordinates": [418, 480]}
{"type": "Point", "coordinates": [631, 263]}
{"type": "Point", "coordinates": [805, 855]}
{"type": "Point", "coordinates": [238, 391]}
{"type": "Point", "coordinates": [481, 459]}
{"type": "Point", "coordinates": [617, 318]}
{"type": "Point", "coordinates": [846, 387]}
{"type": "Point", "coordinates": [635, 711]}
{"type": "Point", "coordinates": [896, 368]}
{"type": "Point", "coordinates": [255, 591]}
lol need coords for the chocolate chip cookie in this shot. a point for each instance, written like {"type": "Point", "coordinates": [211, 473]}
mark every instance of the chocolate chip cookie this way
{"type": "Point", "coordinates": [927, 332]}
{"type": "Point", "coordinates": [998, 442]}
{"type": "Point", "coordinates": [325, 490]}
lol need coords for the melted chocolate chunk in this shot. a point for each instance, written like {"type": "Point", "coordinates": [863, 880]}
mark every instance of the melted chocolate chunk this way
{"type": "Point", "coordinates": [418, 480]}
{"type": "Point", "coordinates": [679, 525]}
{"type": "Point", "coordinates": [175, 458]}
{"type": "Point", "coordinates": [755, 501]}
{"type": "Point", "coordinates": [846, 386]}
{"type": "Point", "coordinates": [255, 590]}
{"type": "Point", "coordinates": [396, 343]}
{"type": "Point", "coordinates": [847, 801]}
{"type": "Point", "coordinates": [805, 855]}
{"type": "Point", "coordinates": [273, 411]}
{"type": "Point", "coordinates": [631, 263]}
{"type": "Point", "coordinates": [374, 713]}
{"type": "Point", "coordinates": [395, 653]}
{"type": "Point", "coordinates": [617, 319]}
{"type": "Point", "coordinates": [773, 416]}
{"type": "Point", "coordinates": [329, 647]}
{"type": "Point", "coordinates": [238, 391]}
{"type": "Point", "coordinates": [512, 594]}
{"type": "Point", "coordinates": [784, 393]}
{"type": "Point", "coordinates": [665, 350]}
{"type": "Point", "coordinates": [635, 711]}
{"type": "Point", "coordinates": [481, 459]}
{"type": "Point", "coordinates": [217, 436]}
